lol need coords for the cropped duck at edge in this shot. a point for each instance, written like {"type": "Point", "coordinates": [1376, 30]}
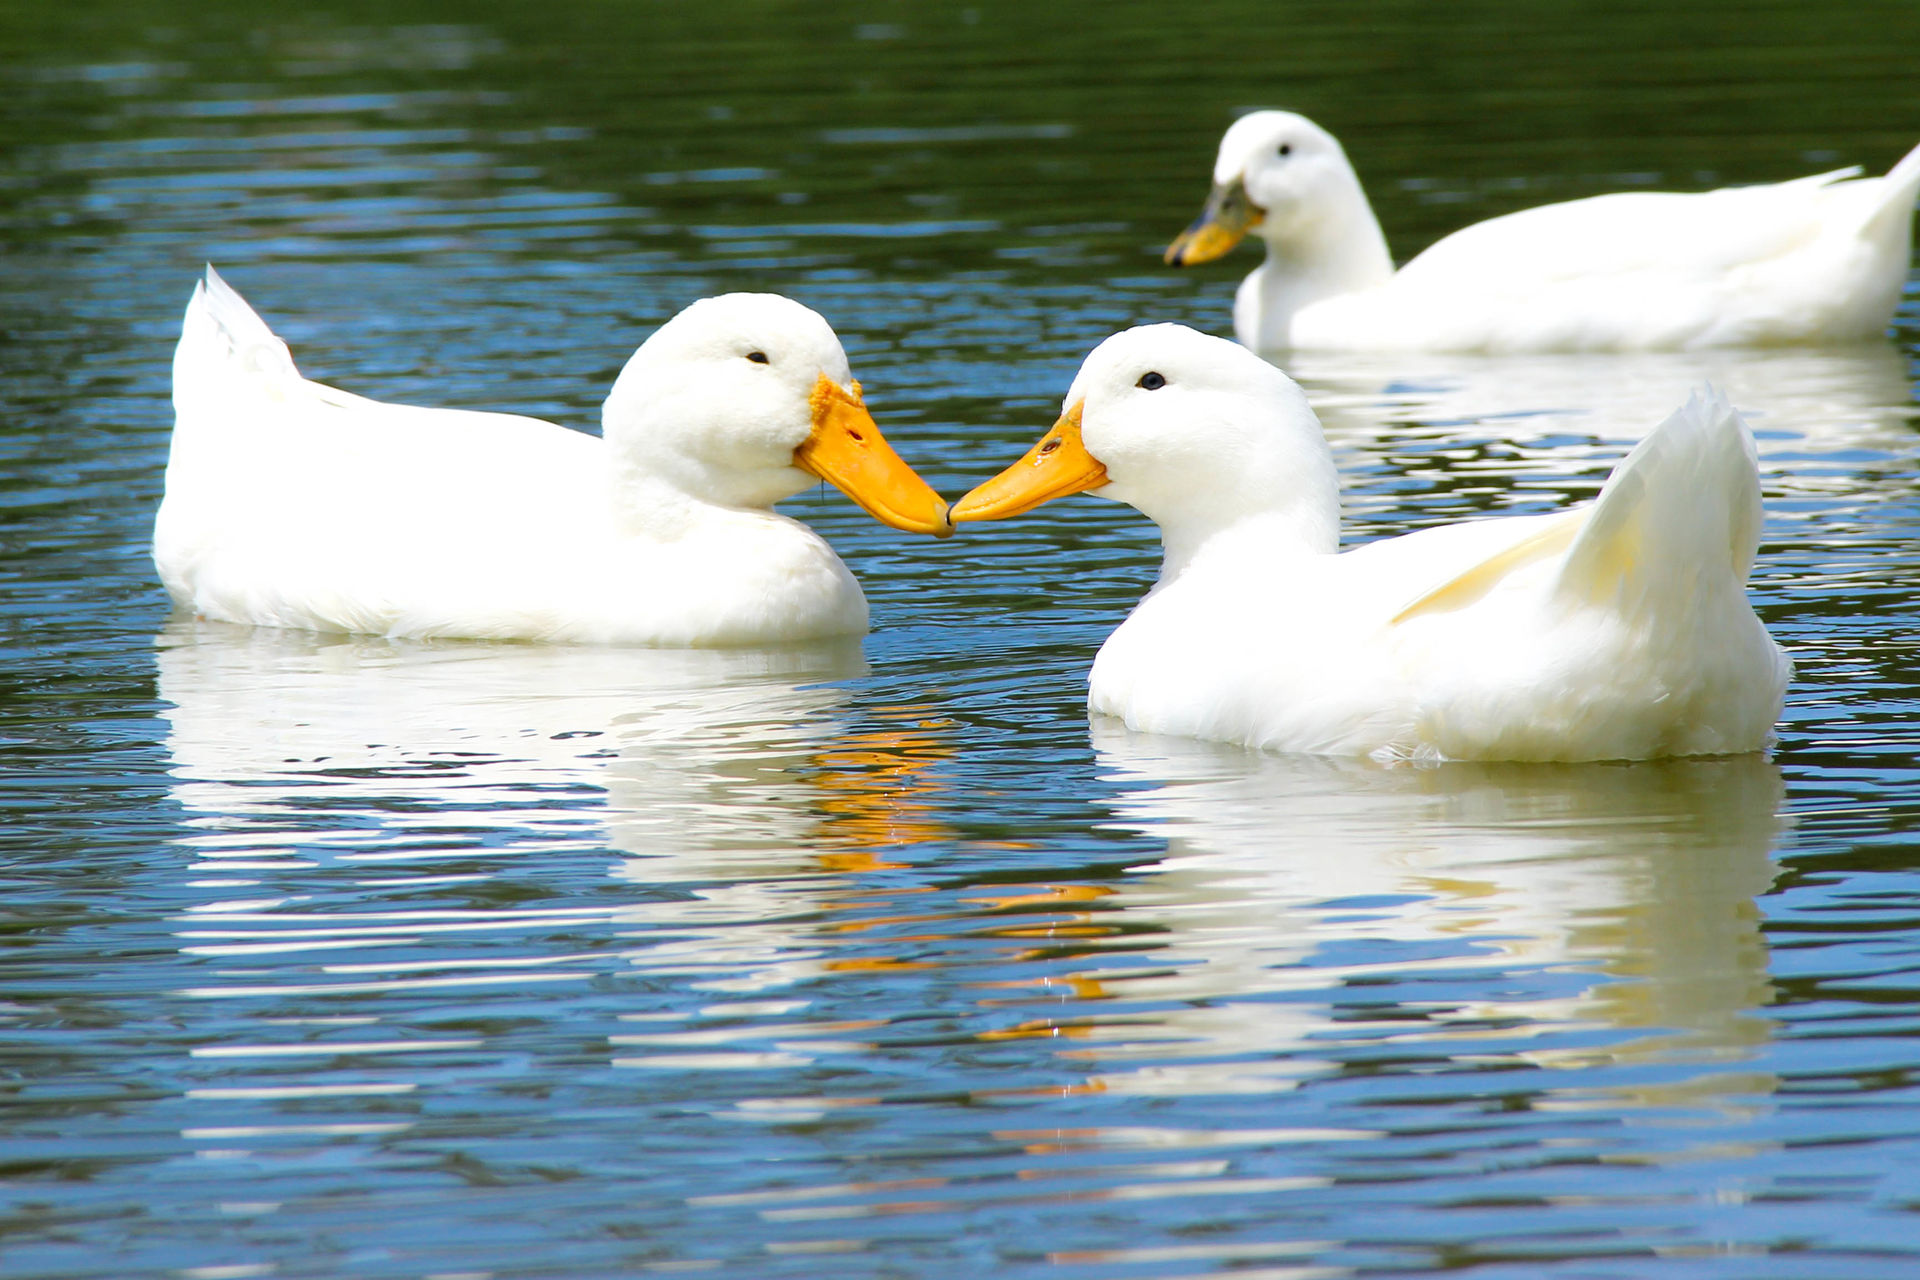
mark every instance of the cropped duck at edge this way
{"type": "Point", "coordinates": [1817, 260]}
{"type": "Point", "coordinates": [292, 504]}
{"type": "Point", "coordinates": [1615, 630]}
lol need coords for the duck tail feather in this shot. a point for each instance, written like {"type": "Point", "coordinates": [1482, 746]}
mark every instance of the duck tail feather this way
{"type": "Point", "coordinates": [1681, 514]}
{"type": "Point", "coordinates": [1905, 176]}
{"type": "Point", "coordinates": [221, 333]}
{"type": "Point", "coordinates": [1901, 186]}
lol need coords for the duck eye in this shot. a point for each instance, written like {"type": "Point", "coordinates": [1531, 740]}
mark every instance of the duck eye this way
{"type": "Point", "coordinates": [758, 357]}
{"type": "Point", "coordinates": [1286, 148]}
{"type": "Point", "coordinates": [1151, 382]}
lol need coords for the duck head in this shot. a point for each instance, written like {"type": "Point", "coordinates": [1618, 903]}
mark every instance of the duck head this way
{"type": "Point", "coordinates": [1277, 174]}
{"type": "Point", "coordinates": [746, 398]}
{"type": "Point", "coordinates": [1195, 432]}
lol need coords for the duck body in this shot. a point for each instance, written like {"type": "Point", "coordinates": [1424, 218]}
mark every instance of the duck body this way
{"type": "Point", "coordinates": [293, 504]}
{"type": "Point", "coordinates": [1616, 630]}
{"type": "Point", "coordinates": [1817, 260]}
{"type": "Point", "coordinates": [1530, 671]}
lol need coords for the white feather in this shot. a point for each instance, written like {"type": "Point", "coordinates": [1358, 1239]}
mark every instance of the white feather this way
{"type": "Point", "coordinates": [1616, 630]}
{"type": "Point", "coordinates": [1820, 259]}
{"type": "Point", "coordinates": [293, 504]}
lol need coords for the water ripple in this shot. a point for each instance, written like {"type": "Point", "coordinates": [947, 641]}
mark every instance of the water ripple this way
{"type": "Point", "coordinates": [334, 955]}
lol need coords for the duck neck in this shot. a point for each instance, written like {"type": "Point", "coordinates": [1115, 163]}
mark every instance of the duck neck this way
{"type": "Point", "coordinates": [645, 503]}
{"type": "Point", "coordinates": [657, 491]}
{"type": "Point", "coordinates": [1335, 248]}
{"type": "Point", "coordinates": [1265, 536]}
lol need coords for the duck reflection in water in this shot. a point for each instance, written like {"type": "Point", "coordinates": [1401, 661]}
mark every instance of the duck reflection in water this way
{"type": "Point", "coordinates": [1306, 907]}
{"type": "Point", "coordinates": [730, 775]}
{"type": "Point", "coordinates": [1823, 419]}
{"type": "Point", "coordinates": [405, 737]}
{"type": "Point", "coordinates": [877, 791]}
{"type": "Point", "coordinates": [1558, 916]}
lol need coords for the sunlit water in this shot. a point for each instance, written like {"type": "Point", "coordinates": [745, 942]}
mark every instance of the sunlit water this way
{"type": "Point", "coordinates": [330, 956]}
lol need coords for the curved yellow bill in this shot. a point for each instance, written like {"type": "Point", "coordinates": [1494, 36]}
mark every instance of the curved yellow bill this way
{"type": "Point", "coordinates": [847, 450]}
{"type": "Point", "coordinates": [1229, 215]}
{"type": "Point", "coordinates": [1055, 467]}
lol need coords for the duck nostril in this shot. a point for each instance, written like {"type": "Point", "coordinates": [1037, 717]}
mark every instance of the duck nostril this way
{"type": "Point", "coordinates": [857, 436]}
{"type": "Point", "coordinates": [1050, 446]}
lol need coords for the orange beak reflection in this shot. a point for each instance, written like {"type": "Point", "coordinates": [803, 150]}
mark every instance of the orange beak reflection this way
{"type": "Point", "coordinates": [847, 450]}
{"type": "Point", "coordinates": [879, 791]}
{"type": "Point", "coordinates": [1057, 466]}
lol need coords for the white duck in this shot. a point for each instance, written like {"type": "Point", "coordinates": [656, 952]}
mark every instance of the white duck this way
{"type": "Point", "coordinates": [1615, 630]}
{"type": "Point", "coordinates": [1821, 259]}
{"type": "Point", "coordinates": [292, 504]}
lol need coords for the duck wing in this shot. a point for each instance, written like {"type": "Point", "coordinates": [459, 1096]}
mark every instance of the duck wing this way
{"type": "Point", "coordinates": [1628, 233]}
{"type": "Point", "coordinates": [294, 503]}
{"type": "Point", "coordinates": [1682, 506]}
{"type": "Point", "coordinates": [1817, 259]}
{"type": "Point", "coordinates": [1680, 516]}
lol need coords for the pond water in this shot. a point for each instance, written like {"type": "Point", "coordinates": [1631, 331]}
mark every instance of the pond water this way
{"type": "Point", "coordinates": [331, 956]}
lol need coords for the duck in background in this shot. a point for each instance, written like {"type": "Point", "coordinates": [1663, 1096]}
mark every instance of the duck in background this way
{"type": "Point", "coordinates": [292, 504]}
{"type": "Point", "coordinates": [1615, 630]}
{"type": "Point", "coordinates": [1818, 260]}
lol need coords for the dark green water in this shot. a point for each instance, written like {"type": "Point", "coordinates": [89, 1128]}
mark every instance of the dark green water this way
{"type": "Point", "coordinates": [325, 957]}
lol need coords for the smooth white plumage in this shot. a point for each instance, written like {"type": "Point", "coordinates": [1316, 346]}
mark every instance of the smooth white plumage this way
{"type": "Point", "coordinates": [289, 503]}
{"type": "Point", "coordinates": [1615, 630]}
{"type": "Point", "coordinates": [1820, 259]}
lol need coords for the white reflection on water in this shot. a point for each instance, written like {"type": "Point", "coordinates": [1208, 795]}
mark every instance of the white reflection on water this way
{"type": "Point", "coordinates": [322, 774]}
{"type": "Point", "coordinates": [487, 739]}
{"type": "Point", "coordinates": [345, 795]}
{"type": "Point", "coordinates": [1617, 897]}
{"type": "Point", "coordinates": [869, 793]}
{"type": "Point", "coordinates": [1822, 418]}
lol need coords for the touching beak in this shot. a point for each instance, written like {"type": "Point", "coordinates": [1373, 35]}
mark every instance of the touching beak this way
{"type": "Point", "coordinates": [1057, 466]}
{"type": "Point", "coordinates": [1229, 215]}
{"type": "Point", "coordinates": [847, 450]}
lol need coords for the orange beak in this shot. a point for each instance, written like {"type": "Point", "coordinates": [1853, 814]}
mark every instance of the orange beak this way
{"type": "Point", "coordinates": [1229, 215]}
{"type": "Point", "coordinates": [847, 450]}
{"type": "Point", "coordinates": [1055, 467]}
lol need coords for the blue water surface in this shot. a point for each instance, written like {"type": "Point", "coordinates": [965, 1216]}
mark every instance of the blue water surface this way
{"type": "Point", "coordinates": [326, 956]}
